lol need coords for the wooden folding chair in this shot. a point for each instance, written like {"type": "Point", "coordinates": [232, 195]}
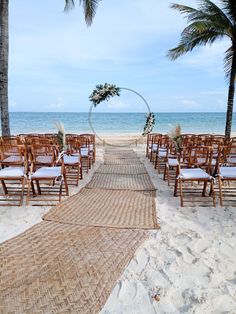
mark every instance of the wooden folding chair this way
{"type": "Point", "coordinates": [227, 174]}
{"type": "Point", "coordinates": [45, 179]}
{"type": "Point", "coordinates": [13, 175]}
{"type": "Point", "coordinates": [161, 154]}
{"type": "Point", "coordinates": [195, 168]}
{"type": "Point", "coordinates": [86, 153]}
{"type": "Point", "coordinates": [92, 146]}
{"type": "Point", "coordinates": [172, 163]}
{"type": "Point", "coordinates": [43, 155]}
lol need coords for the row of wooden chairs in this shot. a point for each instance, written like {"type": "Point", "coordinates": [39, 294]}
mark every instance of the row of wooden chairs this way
{"type": "Point", "coordinates": [198, 160]}
{"type": "Point", "coordinates": [37, 159]}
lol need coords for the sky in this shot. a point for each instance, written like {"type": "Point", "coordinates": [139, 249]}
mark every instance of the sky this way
{"type": "Point", "coordinates": [55, 60]}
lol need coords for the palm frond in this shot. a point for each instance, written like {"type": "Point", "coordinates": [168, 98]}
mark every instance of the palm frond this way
{"type": "Point", "coordinates": [90, 7]}
{"type": "Point", "coordinates": [229, 7]}
{"type": "Point", "coordinates": [69, 4]}
{"type": "Point", "coordinates": [189, 40]}
{"type": "Point", "coordinates": [205, 26]}
{"type": "Point", "coordinates": [216, 13]}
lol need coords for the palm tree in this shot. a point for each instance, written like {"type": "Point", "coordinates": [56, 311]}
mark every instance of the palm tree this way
{"type": "Point", "coordinates": [207, 24]}
{"type": "Point", "coordinates": [89, 6]}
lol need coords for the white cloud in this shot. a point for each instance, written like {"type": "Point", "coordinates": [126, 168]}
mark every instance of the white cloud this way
{"type": "Point", "coordinates": [12, 104]}
{"type": "Point", "coordinates": [117, 104]}
{"type": "Point", "coordinates": [190, 103]}
{"type": "Point", "coordinates": [209, 58]}
{"type": "Point", "coordinates": [59, 104]}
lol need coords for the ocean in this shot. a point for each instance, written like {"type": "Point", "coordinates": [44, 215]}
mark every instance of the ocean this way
{"type": "Point", "coordinates": [117, 123]}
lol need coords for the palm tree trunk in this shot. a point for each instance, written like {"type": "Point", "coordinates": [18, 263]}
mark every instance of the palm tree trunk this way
{"type": "Point", "coordinates": [4, 47]}
{"type": "Point", "coordinates": [230, 106]}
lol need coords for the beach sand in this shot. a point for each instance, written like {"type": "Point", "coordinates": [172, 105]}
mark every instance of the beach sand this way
{"type": "Point", "coordinates": [189, 263]}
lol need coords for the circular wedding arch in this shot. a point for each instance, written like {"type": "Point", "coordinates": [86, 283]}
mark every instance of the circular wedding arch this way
{"type": "Point", "coordinates": [91, 110]}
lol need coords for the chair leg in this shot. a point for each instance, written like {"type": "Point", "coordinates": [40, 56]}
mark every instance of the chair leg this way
{"type": "Point", "coordinates": [165, 171]}
{"type": "Point", "coordinates": [181, 194]}
{"type": "Point", "coordinates": [81, 172]}
{"type": "Point", "coordinates": [22, 192]}
{"type": "Point", "coordinates": [4, 187]}
{"type": "Point", "coordinates": [176, 186]}
{"type": "Point", "coordinates": [66, 184]}
{"type": "Point", "coordinates": [77, 175]}
{"type": "Point", "coordinates": [38, 187]}
{"type": "Point", "coordinates": [213, 193]}
{"type": "Point", "coordinates": [32, 187]}
{"type": "Point", "coordinates": [29, 185]}
{"type": "Point", "coordinates": [60, 189]}
{"type": "Point", "coordinates": [204, 189]}
{"type": "Point", "coordinates": [220, 191]}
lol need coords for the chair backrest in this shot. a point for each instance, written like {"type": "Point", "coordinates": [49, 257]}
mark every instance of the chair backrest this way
{"type": "Point", "coordinates": [229, 154]}
{"type": "Point", "coordinates": [43, 154]}
{"type": "Point", "coordinates": [73, 146]}
{"type": "Point", "coordinates": [197, 156]}
{"type": "Point", "coordinates": [12, 155]}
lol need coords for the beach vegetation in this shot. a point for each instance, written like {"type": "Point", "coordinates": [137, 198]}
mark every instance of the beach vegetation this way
{"type": "Point", "coordinates": [207, 24]}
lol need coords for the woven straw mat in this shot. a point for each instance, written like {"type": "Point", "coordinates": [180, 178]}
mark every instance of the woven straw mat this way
{"type": "Point", "coordinates": [122, 169]}
{"type": "Point", "coordinates": [107, 208]}
{"type": "Point", "coordinates": [140, 182]}
{"type": "Point", "coordinates": [56, 268]}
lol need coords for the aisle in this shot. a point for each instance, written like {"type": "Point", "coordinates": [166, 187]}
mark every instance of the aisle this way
{"type": "Point", "coordinates": [70, 262]}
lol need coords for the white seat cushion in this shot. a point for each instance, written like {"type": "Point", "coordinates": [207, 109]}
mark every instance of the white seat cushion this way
{"type": "Point", "coordinates": [154, 147]}
{"type": "Point", "coordinates": [84, 151]}
{"type": "Point", "coordinates": [231, 160]}
{"type": "Point", "coordinates": [162, 154]}
{"type": "Point", "coordinates": [194, 173]}
{"type": "Point", "coordinates": [71, 160]}
{"type": "Point", "coordinates": [13, 158]}
{"type": "Point", "coordinates": [173, 162]}
{"type": "Point", "coordinates": [47, 172]}
{"type": "Point", "coordinates": [44, 159]}
{"type": "Point", "coordinates": [11, 172]}
{"type": "Point", "coordinates": [228, 172]}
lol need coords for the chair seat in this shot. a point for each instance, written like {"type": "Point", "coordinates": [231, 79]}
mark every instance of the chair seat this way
{"type": "Point", "coordinates": [173, 162]}
{"type": "Point", "coordinates": [12, 172]}
{"type": "Point", "coordinates": [71, 160]}
{"type": "Point", "coordinates": [84, 152]}
{"type": "Point", "coordinates": [154, 147]}
{"type": "Point", "coordinates": [44, 159]}
{"type": "Point", "coordinates": [47, 172]}
{"type": "Point", "coordinates": [13, 159]}
{"type": "Point", "coordinates": [193, 173]}
{"type": "Point", "coordinates": [162, 154]}
{"type": "Point", "coordinates": [231, 160]}
{"type": "Point", "coordinates": [228, 172]}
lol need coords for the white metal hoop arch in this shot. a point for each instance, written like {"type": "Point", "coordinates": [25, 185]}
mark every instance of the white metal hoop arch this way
{"type": "Point", "coordinates": [109, 144]}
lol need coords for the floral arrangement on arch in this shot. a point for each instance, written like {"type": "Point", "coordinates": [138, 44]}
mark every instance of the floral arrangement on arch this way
{"type": "Point", "coordinates": [103, 93]}
{"type": "Point", "coordinates": [150, 122]}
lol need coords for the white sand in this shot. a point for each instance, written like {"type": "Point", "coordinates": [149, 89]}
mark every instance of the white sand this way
{"type": "Point", "coordinates": [190, 263]}
{"type": "Point", "coordinates": [14, 220]}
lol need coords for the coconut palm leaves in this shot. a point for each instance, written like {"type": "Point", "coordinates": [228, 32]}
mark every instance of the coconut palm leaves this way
{"type": "Point", "coordinates": [89, 6]}
{"type": "Point", "coordinates": [207, 24]}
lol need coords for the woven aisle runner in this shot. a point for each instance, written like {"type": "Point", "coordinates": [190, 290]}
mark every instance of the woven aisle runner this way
{"type": "Point", "coordinates": [108, 208]}
{"type": "Point", "coordinates": [66, 264]}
